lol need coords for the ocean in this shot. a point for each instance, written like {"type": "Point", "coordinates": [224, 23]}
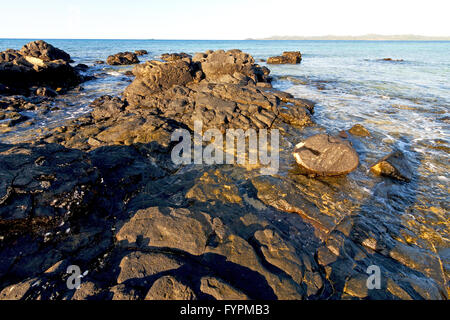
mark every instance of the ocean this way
{"type": "Point", "coordinates": [404, 104]}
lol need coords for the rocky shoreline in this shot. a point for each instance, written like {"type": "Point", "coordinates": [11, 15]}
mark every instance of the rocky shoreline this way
{"type": "Point", "coordinates": [101, 193]}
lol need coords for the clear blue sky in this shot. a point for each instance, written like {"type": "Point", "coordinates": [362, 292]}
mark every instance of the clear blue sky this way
{"type": "Point", "coordinates": [224, 19]}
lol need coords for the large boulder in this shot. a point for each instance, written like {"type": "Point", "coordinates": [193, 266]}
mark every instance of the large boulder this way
{"type": "Point", "coordinates": [288, 57]}
{"type": "Point", "coordinates": [325, 155]}
{"type": "Point", "coordinates": [122, 58]}
{"type": "Point", "coordinates": [141, 52]}
{"type": "Point", "coordinates": [166, 228]}
{"type": "Point", "coordinates": [37, 64]}
{"type": "Point", "coordinates": [44, 51]}
{"type": "Point", "coordinates": [174, 56]}
{"type": "Point", "coordinates": [232, 66]}
{"type": "Point", "coordinates": [394, 165]}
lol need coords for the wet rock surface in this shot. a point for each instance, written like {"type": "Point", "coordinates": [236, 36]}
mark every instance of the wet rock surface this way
{"type": "Point", "coordinates": [101, 192]}
{"type": "Point", "coordinates": [42, 186]}
{"type": "Point", "coordinates": [394, 165]}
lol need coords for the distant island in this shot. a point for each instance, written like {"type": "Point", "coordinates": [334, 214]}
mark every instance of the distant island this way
{"type": "Point", "coordinates": [376, 37]}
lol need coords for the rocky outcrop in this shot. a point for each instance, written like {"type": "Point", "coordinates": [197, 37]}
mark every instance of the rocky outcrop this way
{"type": "Point", "coordinates": [36, 64]}
{"type": "Point", "coordinates": [122, 58]}
{"type": "Point", "coordinates": [223, 89]}
{"type": "Point", "coordinates": [394, 165]}
{"type": "Point", "coordinates": [288, 57]}
{"type": "Point", "coordinates": [44, 51]}
{"type": "Point", "coordinates": [174, 56]}
{"type": "Point", "coordinates": [111, 201]}
{"type": "Point", "coordinates": [326, 156]}
{"type": "Point", "coordinates": [155, 76]}
{"type": "Point", "coordinates": [233, 66]}
{"type": "Point", "coordinates": [141, 52]}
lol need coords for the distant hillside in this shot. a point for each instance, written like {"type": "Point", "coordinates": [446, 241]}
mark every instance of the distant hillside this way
{"type": "Point", "coordinates": [380, 37]}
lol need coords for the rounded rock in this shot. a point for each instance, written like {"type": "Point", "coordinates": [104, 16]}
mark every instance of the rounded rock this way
{"type": "Point", "coordinates": [326, 155]}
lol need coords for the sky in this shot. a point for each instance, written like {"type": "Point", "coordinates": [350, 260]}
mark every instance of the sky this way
{"type": "Point", "coordinates": [222, 19]}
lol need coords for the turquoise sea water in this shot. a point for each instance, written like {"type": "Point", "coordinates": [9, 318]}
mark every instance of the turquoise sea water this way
{"type": "Point", "coordinates": [404, 104]}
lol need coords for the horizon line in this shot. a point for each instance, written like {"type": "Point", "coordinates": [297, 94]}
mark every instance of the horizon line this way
{"type": "Point", "coordinates": [314, 38]}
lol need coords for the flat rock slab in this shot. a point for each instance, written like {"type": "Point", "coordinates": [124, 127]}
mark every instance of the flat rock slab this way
{"type": "Point", "coordinates": [395, 166]}
{"type": "Point", "coordinates": [167, 228]}
{"type": "Point", "coordinates": [326, 155]}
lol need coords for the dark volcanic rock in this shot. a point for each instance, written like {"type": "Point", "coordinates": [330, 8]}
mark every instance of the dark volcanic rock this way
{"type": "Point", "coordinates": [122, 58]}
{"type": "Point", "coordinates": [174, 56]}
{"type": "Point", "coordinates": [222, 89]}
{"type": "Point", "coordinates": [288, 57]}
{"type": "Point", "coordinates": [42, 186]}
{"type": "Point", "coordinates": [44, 51]}
{"type": "Point", "coordinates": [394, 165]}
{"type": "Point", "coordinates": [140, 52]}
{"type": "Point", "coordinates": [232, 66]}
{"type": "Point", "coordinates": [46, 92]}
{"type": "Point", "coordinates": [326, 156]}
{"type": "Point", "coordinates": [36, 64]}
{"type": "Point", "coordinates": [141, 227]}
{"type": "Point", "coordinates": [155, 76]}
{"type": "Point", "coordinates": [81, 67]}
{"type": "Point", "coordinates": [184, 230]}
{"type": "Point", "coordinates": [106, 107]}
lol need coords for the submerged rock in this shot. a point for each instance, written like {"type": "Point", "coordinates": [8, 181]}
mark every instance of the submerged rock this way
{"type": "Point", "coordinates": [392, 60]}
{"type": "Point", "coordinates": [359, 130]}
{"type": "Point", "coordinates": [394, 165]}
{"type": "Point", "coordinates": [325, 155]}
{"type": "Point", "coordinates": [122, 58]}
{"type": "Point", "coordinates": [46, 92]}
{"type": "Point", "coordinates": [288, 57]}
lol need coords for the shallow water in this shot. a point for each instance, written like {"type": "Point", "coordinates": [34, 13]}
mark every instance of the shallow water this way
{"type": "Point", "coordinates": [404, 105]}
